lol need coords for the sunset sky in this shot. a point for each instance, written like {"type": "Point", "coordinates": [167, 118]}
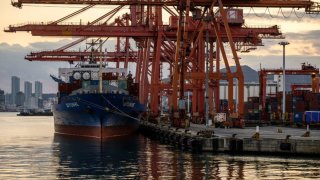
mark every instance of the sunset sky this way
{"type": "Point", "coordinates": [302, 33]}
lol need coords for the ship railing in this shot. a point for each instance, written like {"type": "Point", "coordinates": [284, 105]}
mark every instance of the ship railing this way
{"type": "Point", "coordinates": [61, 23]}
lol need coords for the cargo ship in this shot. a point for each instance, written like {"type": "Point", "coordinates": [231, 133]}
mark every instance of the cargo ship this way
{"type": "Point", "coordinates": [96, 101]}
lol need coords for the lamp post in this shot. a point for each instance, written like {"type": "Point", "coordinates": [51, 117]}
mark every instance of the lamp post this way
{"type": "Point", "coordinates": [283, 44]}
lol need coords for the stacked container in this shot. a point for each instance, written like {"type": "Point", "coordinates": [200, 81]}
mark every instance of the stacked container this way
{"type": "Point", "coordinates": [253, 108]}
{"type": "Point", "coordinates": [223, 106]}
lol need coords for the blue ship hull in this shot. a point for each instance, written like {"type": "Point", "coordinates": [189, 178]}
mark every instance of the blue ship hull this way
{"type": "Point", "coordinates": [97, 115]}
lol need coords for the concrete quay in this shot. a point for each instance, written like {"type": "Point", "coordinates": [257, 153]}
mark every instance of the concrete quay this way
{"type": "Point", "coordinates": [267, 140]}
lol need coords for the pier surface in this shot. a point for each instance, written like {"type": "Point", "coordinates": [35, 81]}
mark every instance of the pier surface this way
{"type": "Point", "coordinates": [269, 139]}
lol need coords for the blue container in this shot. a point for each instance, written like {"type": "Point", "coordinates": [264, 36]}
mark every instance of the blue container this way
{"type": "Point", "coordinates": [312, 117]}
{"type": "Point", "coordinates": [94, 82]}
{"type": "Point", "coordinates": [298, 117]}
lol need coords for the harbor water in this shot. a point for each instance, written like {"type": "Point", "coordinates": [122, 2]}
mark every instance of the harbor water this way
{"type": "Point", "coordinates": [29, 149]}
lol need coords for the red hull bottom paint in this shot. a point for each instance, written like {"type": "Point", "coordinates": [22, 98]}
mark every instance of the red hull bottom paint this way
{"type": "Point", "coordinates": [95, 132]}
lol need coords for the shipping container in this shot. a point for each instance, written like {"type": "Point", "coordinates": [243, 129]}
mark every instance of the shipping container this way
{"type": "Point", "coordinates": [253, 116]}
{"type": "Point", "coordinates": [85, 84]}
{"type": "Point", "coordinates": [122, 84]}
{"type": "Point", "coordinates": [298, 117]}
{"type": "Point", "coordinates": [253, 99]}
{"type": "Point", "coordinates": [312, 117]}
{"type": "Point", "coordinates": [256, 105]}
{"type": "Point", "coordinates": [249, 105]}
{"type": "Point", "coordinates": [94, 82]}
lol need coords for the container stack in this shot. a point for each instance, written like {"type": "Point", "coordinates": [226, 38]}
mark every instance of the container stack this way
{"type": "Point", "coordinates": [253, 108]}
{"type": "Point", "coordinates": [272, 106]}
{"type": "Point", "coordinates": [298, 108]}
{"type": "Point", "coordinates": [223, 106]}
{"type": "Point", "coordinates": [312, 100]}
{"type": "Point", "coordinates": [297, 104]}
{"type": "Point", "coordinates": [134, 89]}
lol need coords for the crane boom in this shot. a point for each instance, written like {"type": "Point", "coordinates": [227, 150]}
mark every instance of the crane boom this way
{"type": "Point", "coordinates": [127, 31]}
{"type": "Point", "coordinates": [227, 3]}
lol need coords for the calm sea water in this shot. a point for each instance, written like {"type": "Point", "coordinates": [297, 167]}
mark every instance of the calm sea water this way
{"type": "Point", "coordinates": [30, 150]}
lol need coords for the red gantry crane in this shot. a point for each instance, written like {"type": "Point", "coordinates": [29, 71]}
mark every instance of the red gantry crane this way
{"type": "Point", "coordinates": [191, 46]}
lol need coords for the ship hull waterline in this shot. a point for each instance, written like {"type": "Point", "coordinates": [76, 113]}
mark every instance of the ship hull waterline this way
{"type": "Point", "coordinates": [78, 118]}
{"type": "Point", "coordinates": [96, 132]}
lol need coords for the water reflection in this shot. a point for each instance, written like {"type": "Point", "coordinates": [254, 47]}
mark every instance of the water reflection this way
{"type": "Point", "coordinates": [138, 157]}
{"type": "Point", "coordinates": [80, 157]}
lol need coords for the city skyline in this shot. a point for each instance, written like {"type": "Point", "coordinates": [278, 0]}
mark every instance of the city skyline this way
{"type": "Point", "coordinates": [27, 97]}
{"type": "Point", "coordinates": [25, 84]}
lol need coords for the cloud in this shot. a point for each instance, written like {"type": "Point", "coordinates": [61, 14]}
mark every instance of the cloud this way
{"type": "Point", "coordinates": [308, 35]}
{"type": "Point", "coordinates": [49, 45]}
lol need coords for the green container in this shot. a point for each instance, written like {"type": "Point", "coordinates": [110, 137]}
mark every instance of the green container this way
{"type": "Point", "coordinates": [85, 84]}
{"type": "Point", "coordinates": [104, 83]}
{"type": "Point", "coordinates": [122, 84]}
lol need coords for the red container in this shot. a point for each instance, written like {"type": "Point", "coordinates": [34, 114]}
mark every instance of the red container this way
{"type": "Point", "coordinates": [253, 99]}
{"type": "Point", "coordinates": [299, 106]}
{"type": "Point", "coordinates": [289, 97]}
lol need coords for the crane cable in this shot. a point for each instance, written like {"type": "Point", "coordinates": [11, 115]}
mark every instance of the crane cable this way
{"type": "Point", "coordinates": [293, 10]}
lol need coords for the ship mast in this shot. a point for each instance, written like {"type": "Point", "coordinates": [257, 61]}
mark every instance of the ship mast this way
{"type": "Point", "coordinates": [100, 68]}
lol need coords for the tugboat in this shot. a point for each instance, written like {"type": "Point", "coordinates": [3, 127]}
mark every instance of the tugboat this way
{"type": "Point", "coordinates": [96, 101]}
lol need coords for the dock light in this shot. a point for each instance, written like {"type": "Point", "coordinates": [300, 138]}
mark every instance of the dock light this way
{"type": "Point", "coordinates": [283, 44]}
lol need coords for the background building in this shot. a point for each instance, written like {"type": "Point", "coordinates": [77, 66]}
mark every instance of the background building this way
{"type": "Point", "coordinates": [2, 100]}
{"type": "Point", "coordinates": [33, 102]}
{"type": "Point", "coordinates": [38, 91]}
{"type": "Point", "coordinates": [27, 93]}
{"type": "Point", "coordinates": [7, 98]}
{"type": "Point", "coordinates": [15, 88]}
{"type": "Point", "coordinates": [20, 99]}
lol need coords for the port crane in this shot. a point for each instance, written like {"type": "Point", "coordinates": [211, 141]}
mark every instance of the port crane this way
{"type": "Point", "coordinates": [182, 46]}
{"type": "Point", "coordinates": [243, 36]}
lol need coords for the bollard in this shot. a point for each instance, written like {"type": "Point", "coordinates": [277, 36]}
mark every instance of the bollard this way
{"type": "Point", "coordinates": [257, 134]}
{"type": "Point", "coordinates": [307, 133]}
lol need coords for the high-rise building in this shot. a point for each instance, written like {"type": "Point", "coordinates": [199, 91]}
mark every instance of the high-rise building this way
{"type": "Point", "coordinates": [33, 102]}
{"type": "Point", "coordinates": [27, 93]}
{"type": "Point", "coordinates": [38, 89]}
{"type": "Point", "coordinates": [38, 92]}
{"type": "Point", "coordinates": [20, 99]}
{"type": "Point", "coordinates": [2, 100]}
{"type": "Point", "coordinates": [15, 88]}
{"type": "Point", "coordinates": [8, 98]}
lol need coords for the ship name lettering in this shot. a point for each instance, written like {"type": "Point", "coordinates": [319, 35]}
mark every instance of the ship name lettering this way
{"type": "Point", "coordinates": [128, 104]}
{"type": "Point", "coordinates": [71, 105]}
